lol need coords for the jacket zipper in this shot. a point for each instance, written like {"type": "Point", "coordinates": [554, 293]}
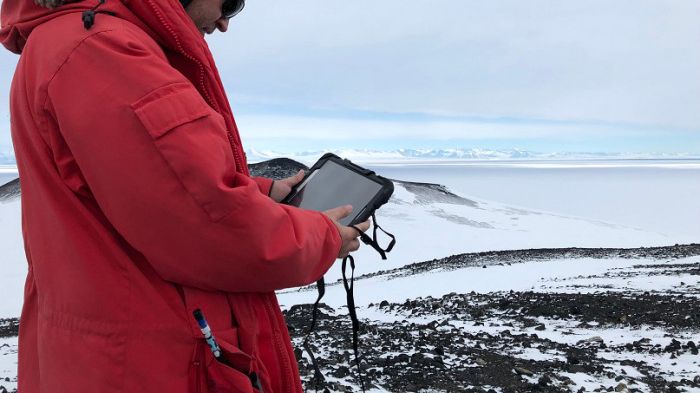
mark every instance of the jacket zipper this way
{"type": "Point", "coordinates": [239, 164]}
{"type": "Point", "coordinates": [282, 353]}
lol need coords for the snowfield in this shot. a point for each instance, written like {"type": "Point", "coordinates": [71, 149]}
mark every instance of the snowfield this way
{"type": "Point", "coordinates": [564, 304]}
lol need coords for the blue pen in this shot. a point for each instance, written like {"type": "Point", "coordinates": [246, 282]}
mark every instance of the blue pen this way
{"type": "Point", "coordinates": [206, 331]}
{"type": "Point", "coordinates": [208, 336]}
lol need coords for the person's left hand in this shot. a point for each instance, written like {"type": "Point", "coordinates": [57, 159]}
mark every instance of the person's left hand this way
{"type": "Point", "coordinates": [281, 188]}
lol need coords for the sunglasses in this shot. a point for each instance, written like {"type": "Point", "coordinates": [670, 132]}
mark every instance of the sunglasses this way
{"type": "Point", "coordinates": [229, 9]}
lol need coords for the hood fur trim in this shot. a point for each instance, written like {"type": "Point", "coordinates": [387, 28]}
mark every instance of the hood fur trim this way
{"type": "Point", "coordinates": [49, 3]}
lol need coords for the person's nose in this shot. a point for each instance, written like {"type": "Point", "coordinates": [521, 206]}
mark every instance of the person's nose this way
{"type": "Point", "coordinates": [222, 24]}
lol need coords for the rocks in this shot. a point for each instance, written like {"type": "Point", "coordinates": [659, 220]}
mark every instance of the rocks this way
{"type": "Point", "coordinates": [523, 371]}
{"type": "Point", "coordinates": [595, 340]}
{"type": "Point", "coordinates": [417, 358]}
{"type": "Point", "coordinates": [341, 372]}
{"type": "Point", "coordinates": [572, 359]}
{"type": "Point", "coordinates": [10, 190]}
{"type": "Point", "coordinates": [675, 345]}
{"type": "Point", "coordinates": [9, 327]}
{"type": "Point", "coordinates": [298, 354]}
{"type": "Point", "coordinates": [544, 381]}
{"type": "Point", "coordinates": [278, 168]}
{"type": "Point", "coordinates": [406, 355]}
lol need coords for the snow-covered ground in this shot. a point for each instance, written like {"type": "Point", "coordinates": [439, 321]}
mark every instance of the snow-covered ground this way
{"type": "Point", "coordinates": [429, 222]}
{"type": "Point", "coordinates": [621, 319]}
{"type": "Point", "coordinates": [8, 362]}
{"type": "Point", "coordinates": [433, 222]}
{"type": "Point", "coordinates": [559, 275]}
{"type": "Point", "coordinates": [14, 265]}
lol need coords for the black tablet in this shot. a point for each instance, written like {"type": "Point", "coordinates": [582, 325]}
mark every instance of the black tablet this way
{"type": "Point", "coordinates": [334, 181]}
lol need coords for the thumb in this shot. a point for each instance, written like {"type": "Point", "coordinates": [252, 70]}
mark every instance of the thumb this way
{"type": "Point", "coordinates": [295, 179]}
{"type": "Point", "coordinates": [339, 212]}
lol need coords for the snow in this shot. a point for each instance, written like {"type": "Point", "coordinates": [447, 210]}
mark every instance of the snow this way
{"type": "Point", "coordinates": [428, 229]}
{"type": "Point", "coordinates": [14, 265]}
{"type": "Point", "coordinates": [427, 226]}
{"type": "Point", "coordinates": [432, 224]}
{"type": "Point", "coordinates": [8, 362]}
{"type": "Point", "coordinates": [584, 275]}
{"type": "Point", "coordinates": [528, 276]}
{"type": "Point", "coordinates": [6, 169]}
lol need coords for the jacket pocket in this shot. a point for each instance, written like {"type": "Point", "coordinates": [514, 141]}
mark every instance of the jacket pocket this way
{"type": "Point", "coordinates": [192, 139]}
{"type": "Point", "coordinates": [234, 376]}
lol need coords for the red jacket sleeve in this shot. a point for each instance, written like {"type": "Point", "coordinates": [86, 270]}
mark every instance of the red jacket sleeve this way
{"type": "Point", "coordinates": [264, 184]}
{"type": "Point", "coordinates": [158, 162]}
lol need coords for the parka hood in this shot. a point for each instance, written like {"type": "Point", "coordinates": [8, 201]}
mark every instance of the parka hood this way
{"type": "Point", "coordinates": [19, 17]}
{"type": "Point", "coordinates": [165, 20]}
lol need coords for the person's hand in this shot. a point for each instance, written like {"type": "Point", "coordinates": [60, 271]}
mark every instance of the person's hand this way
{"type": "Point", "coordinates": [281, 188]}
{"type": "Point", "coordinates": [348, 235]}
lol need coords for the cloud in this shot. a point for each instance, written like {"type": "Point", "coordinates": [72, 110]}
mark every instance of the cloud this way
{"type": "Point", "coordinates": [623, 61]}
{"type": "Point", "coordinates": [585, 69]}
{"type": "Point", "coordinates": [253, 127]}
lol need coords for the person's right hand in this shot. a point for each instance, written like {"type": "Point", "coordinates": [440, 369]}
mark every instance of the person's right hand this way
{"type": "Point", "coordinates": [348, 235]}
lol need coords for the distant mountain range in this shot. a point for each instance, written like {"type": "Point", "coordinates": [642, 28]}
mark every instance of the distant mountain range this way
{"type": "Point", "coordinates": [368, 155]}
{"type": "Point", "coordinates": [403, 155]}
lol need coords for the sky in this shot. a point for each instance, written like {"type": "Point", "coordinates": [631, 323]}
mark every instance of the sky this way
{"type": "Point", "coordinates": [548, 76]}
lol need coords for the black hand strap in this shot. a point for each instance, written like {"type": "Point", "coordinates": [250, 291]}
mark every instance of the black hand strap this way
{"type": "Point", "coordinates": [372, 242]}
{"type": "Point", "coordinates": [319, 379]}
{"type": "Point", "coordinates": [353, 314]}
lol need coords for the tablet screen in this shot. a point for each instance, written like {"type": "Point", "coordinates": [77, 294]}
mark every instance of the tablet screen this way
{"type": "Point", "coordinates": [333, 185]}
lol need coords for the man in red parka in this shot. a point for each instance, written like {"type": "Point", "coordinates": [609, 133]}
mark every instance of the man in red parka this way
{"type": "Point", "coordinates": [137, 207]}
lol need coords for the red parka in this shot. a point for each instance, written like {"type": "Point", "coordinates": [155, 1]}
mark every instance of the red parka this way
{"type": "Point", "coordinates": [137, 208]}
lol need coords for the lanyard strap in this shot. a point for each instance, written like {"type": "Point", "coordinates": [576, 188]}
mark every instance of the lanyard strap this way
{"type": "Point", "coordinates": [372, 242]}
{"type": "Point", "coordinates": [319, 379]}
{"type": "Point", "coordinates": [349, 286]}
{"type": "Point", "coordinates": [318, 375]}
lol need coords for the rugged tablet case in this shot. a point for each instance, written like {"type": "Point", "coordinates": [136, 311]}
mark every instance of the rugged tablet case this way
{"type": "Point", "coordinates": [379, 199]}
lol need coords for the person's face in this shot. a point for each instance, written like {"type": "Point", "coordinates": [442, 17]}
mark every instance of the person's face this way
{"type": "Point", "coordinates": [206, 15]}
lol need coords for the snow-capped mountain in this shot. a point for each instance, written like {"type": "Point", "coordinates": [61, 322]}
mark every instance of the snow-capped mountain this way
{"type": "Point", "coordinates": [409, 155]}
{"type": "Point", "coordinates": [7, 157]}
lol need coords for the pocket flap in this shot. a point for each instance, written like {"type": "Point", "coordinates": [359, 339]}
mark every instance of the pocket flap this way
{"type": "Point", "coordinates": [169, 107]}
{"type": "Point", "coordinates": [233, 377]}
{"type": "Point", "coordinates": [228, 340]}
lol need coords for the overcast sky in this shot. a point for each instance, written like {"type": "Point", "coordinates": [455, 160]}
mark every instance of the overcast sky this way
{"type": "Point", "coordinates": [550, 75]}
